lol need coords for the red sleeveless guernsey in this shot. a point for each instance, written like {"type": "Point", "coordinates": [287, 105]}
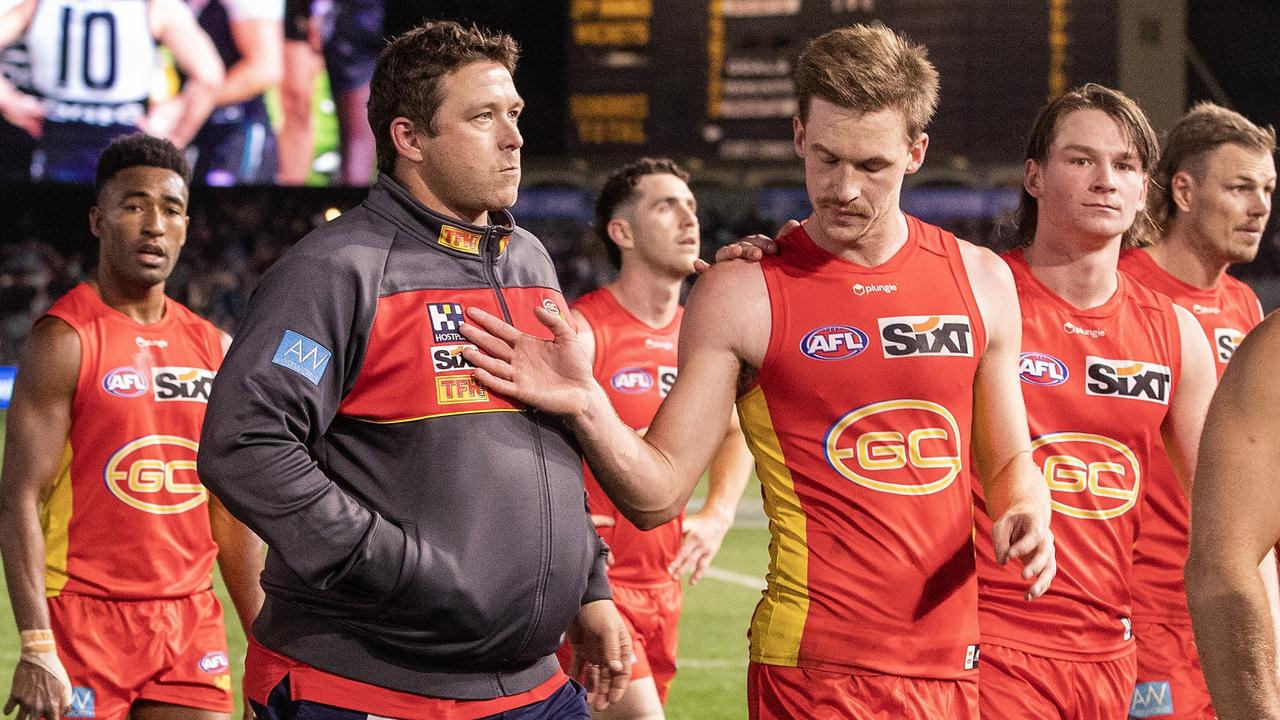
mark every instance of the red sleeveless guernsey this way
{"type": "Point", "coordinates": [1097, 385]}
{"type": "Point", "coordinates": [860, 424]}
{"type": "Point", "coordinates": [636, 366]}
{"type": "Point", "coordinates": [127, 517]}
{"type": "Point", "coordinates": [1226, 312]}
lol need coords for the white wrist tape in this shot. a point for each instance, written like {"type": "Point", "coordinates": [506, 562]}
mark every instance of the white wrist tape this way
{"type": "Point", "coordinates": [39, 649]}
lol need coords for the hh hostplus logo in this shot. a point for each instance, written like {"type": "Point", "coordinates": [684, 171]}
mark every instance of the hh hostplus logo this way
{"type": "Point", "coordinates": [915, 335]}
{"type": "Point", "coordinates": [1128, 379]}
{"type": "Point", "coordinates": [445, 318]}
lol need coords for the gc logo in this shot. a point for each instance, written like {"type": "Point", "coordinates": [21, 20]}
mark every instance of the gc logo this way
{"type": "Point", "coordinates": [1091, 477]}
{"type": "Point", "coordinates": [902, 447]}
{"type": "Point", "coordinates": [156, 474]}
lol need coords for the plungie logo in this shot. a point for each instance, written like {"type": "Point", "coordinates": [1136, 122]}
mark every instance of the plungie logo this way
{"type": "Point", "coordinates": [901, 447]}
{"type": "Point", "coordinates": [920, 335]}
{"type": "Point", "coordinates": [156, 474]}
{"type": "Point", "coordinates": [1040, 369]}
{"type": "Point", "coordinates": [833, 342]}
{"type": "Point", "coordinates": [1128, 379]}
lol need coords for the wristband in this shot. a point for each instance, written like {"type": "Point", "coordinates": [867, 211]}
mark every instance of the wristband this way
{"type": "Point", "coordinates": [39, 649]}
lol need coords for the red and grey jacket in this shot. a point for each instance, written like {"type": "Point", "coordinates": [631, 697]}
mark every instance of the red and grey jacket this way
{"type": "Point", "coordinates": [425, 535]}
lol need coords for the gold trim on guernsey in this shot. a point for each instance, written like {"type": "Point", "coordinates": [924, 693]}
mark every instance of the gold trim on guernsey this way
{"type": "Point", "coordinates": [778, 623]}
{"type": "Point", "coordinates": [55, 521]}
{"type": "Point", "coordinates": [428, 417]}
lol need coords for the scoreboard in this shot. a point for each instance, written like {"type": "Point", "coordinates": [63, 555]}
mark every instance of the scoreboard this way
{"type": "Point", "coordinates": [713, 77]}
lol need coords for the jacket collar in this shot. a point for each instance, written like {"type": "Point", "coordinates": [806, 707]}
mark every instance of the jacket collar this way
{"type": "Point", "coordinates": [390, 198]}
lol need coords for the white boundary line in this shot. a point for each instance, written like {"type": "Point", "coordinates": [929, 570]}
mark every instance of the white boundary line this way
{"type": "Point", "coordinates": [749, 581]}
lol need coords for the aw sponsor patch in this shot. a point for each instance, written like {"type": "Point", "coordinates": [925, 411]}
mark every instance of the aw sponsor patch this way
{"type": "Point", "coordinates": [461, 240]}
{"type": "Point", "coordinates": [302, 355]}
{"type": "Point", "coordinates": [1132, 379]}
{"type": "Point", "coordinates": [1151, 699]}
{"type": "Point", "coordinates": [82, 702]}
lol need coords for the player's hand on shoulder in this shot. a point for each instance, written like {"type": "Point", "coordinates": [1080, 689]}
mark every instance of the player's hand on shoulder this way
{"type": "Point", "coordinates": [751, 248]}
{"type": "Point", "coordinates": [602, 653]}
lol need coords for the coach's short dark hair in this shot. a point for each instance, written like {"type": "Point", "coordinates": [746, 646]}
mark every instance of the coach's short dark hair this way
{"type": "Point", "coordinates": [139, 150]}
{"type": "Point", "coordinates": [406, 78]}
{"type": "Point", "coordinates": [619, 192]}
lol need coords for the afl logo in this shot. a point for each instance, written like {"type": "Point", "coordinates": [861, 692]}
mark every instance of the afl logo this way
{"type": "Point", "coordinates": [156, 474]}
{"type": "Point", "coordinates": [215, 662]}
{"type": "Point", "coordinates": [632, 381]}
{"type": "Point", "coordinates": [834, 342]}
{"type": "Point", "coordinates": [901, 447]}
{"type": "Point", "coordinates": [1090, 477]}
{"type": "Point", "coordinates": [1040, 369]}
{"type": "Point", "coordinates": [125, 382]}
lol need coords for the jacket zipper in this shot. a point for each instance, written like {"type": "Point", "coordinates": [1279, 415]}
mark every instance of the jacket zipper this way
{"type": "Point", "coordinates": [487, 261]}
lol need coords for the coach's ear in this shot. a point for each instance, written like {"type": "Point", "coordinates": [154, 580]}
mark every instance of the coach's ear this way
{"type": "Point", "coordinates": [405, 138]}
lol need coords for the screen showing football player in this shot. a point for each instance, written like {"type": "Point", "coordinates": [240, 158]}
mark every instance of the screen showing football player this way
{"type": "Point", "coordinates": [647, 218]}
{"type": "Point", "coordinates": [93, 67]}
{"type": "Point", "coordinates": [1211, 196]}
{"type": "Point", "coordinates": [109, 537]}
{"type": "Point", "coordinates": [237, 145]}
{"type": "Point", "coordinates": [867, 360]}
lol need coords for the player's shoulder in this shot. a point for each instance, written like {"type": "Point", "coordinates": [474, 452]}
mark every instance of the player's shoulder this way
{"type": "Point", "coordinates": [985, 267]}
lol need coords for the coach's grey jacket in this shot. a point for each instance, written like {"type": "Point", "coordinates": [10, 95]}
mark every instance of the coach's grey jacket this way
{"type": "Point", "coordinates": [424, 535]}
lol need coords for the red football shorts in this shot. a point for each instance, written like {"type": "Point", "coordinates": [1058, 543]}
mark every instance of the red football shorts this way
{"type": "Point", "coordinates": [1170, 682]}
{"type": "Point", "coordinates": [120, 651]}
{"type": "Point", "coordinates": [652, 616]}
{"type": "Point", "coordinates": [775, 692]}
{"type": "Point", "coordinates": [1020, 686]}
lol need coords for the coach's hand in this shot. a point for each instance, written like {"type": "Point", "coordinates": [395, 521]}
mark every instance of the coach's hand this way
{"type": "Point", "coordinates": [38, 693]}
{"type": "Point", "coordinates": [601, 653]}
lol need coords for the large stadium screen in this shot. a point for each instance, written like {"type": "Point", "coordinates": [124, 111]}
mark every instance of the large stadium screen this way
{"type": "Point", "coordinates": [714, 76]}
{"type": "Point", "coordinates": [294, 69]}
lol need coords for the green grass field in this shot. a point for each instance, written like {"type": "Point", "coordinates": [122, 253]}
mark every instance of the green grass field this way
{"type": "Point", "coordinates": [711, 684]}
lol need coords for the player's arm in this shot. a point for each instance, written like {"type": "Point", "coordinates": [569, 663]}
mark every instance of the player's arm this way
{"type": "Point", "coordinates": [257, 28]}
{"type": "Point", "coordinates": [1234, 523]}
{"type": "Point", "coordinates": [726, 479]}
{"type": "Point", "coordinates": [649, 479]}
{"type": "Point", "coordinates": [38, 425]}
{"type": "Point", "coordinates": [1190, 399]}
{"type": "Point", "coordinates": [176, 28]}
{"type": "Point", "coordinates": [17, 107]}
{"type": "Point", "coordinates": [1016, 494]}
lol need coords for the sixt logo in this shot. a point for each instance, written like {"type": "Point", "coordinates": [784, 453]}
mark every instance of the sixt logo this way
{"type": "Point", "coordinates": [1225, 342]}
{"type": "Point", "coordinates": [459, 389]}
{"type": "Point", "coordinates": [215, 662]}
{"type": "Point", "coordinates": [1040, 369]}
{"type": "Point", "coordinates": [459, 239]}
{"type": "Point", "coordinates": [888, 289]}
{"type": "Point", "coordinates": [1090, 477]}
{"type": "Point", "coordinates": [449, 357]}
{"type": "Point", "coordinates": [833, 342]}
{"type": "Point", "coordinates": [901, 447]}
{"type": "Point", "coordinates": [926, 335]}
{"type": "Point", "coordinates": [156, 474]}
{"type": "Point", "coordinates": [632, 381]}
{"type": "Point", "coordinates": [1127, 379]}
{"type": "Point", "coordinates": [666, 379]}
{"type": "Point", "coordinates": [445, 319]}
{"type": "Point", "coordinates": [125, 382]}
{"type": "Point", "coordinates": [181, 383]}
{"type": "Point", "coordinates": [1151, 699]}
